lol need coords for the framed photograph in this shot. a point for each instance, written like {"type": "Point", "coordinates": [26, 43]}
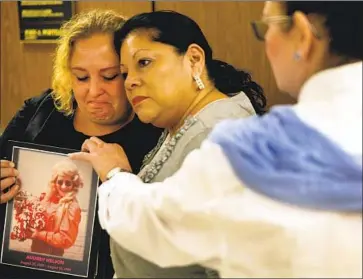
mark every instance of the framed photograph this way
{"type": "Point", "coordinates": [49, 225]}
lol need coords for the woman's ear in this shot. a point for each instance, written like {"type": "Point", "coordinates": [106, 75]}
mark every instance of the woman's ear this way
{"type": "Point", "coordinates": [304, 35]}
{"type": "Point", "coordinates": [196, 57]}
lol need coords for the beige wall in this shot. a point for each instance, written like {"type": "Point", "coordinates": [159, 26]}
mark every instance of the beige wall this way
{"type": "Point", "coordinates": [26, 68]}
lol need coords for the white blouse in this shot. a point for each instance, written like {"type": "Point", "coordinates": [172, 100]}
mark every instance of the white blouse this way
{"type": "Point", "coordinates": [203, 214]}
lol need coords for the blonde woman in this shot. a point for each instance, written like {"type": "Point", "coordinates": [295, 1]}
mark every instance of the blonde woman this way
{"type": "Point", "coordinates": [62, 210]}
{"type": "Point", "coordinates": [87, 99]}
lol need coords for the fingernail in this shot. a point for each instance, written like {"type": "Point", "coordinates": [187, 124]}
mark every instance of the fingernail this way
{"type": "Point", "coordinates": [16, 172]}
{"type": "Point", "coordinates": [12, 165]}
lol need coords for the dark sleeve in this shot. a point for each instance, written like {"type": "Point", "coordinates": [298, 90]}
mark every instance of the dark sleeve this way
{"type": "Point", "coordinates": [16, 127]}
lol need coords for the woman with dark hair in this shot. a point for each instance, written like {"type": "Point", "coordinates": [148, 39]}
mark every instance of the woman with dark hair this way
{"type": "Point", "coordinates": [184, 38]}
{"type": "Point", "coordinates": [277, 196]}
{"type": "Point", "coordinates": [173, 82]}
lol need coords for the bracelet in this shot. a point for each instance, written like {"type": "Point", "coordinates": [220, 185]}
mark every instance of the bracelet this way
{"type": "Point", "coordinates": [112, 172]}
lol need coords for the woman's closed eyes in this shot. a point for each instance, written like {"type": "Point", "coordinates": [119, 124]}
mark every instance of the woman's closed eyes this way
{"type": "Point", "coordinates": [82, 78]}
{"type": "Point", "coordinates": [109, 78]}
{"type": "Point", "coordinates": [106, 78]}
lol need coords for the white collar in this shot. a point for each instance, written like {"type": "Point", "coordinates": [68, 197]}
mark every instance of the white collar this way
{"type": "Point", "coordinates": [331, 102]}
{"type": "Point", "coordinates": [344, 80]}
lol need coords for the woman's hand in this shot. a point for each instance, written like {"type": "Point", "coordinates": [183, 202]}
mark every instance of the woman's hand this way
{"type": "Point", "coordinates": [8, 175]}
{"type": "Point", "coordinates": [103, 156]}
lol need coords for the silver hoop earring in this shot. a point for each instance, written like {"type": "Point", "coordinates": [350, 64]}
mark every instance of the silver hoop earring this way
{"type": "Point", "coordinates": [199, 82]}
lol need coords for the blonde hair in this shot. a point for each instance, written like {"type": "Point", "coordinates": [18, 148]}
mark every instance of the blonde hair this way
{"type": "Point", "coordinates": [67, 167]}
{"type": "Point", "coordinates": [82, 25]}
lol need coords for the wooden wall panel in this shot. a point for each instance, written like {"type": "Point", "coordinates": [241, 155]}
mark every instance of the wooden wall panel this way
{"type": "Point", "coordinates": [127, 8]}
{"type": "Point", "coordinates": [226, 25]}
{"type": "Point", "coordinates": [26, 68]}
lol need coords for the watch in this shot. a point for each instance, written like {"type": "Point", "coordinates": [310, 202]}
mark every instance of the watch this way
{"type": "Point", "coordinates": [112, 172]}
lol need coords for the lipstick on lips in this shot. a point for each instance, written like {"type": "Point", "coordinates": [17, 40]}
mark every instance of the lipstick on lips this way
{"type": "Point", "coordinates": [138, 99]}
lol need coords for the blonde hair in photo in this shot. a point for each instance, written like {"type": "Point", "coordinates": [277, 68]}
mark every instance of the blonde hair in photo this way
{"type": "Point", "coordinates": [67, 167]}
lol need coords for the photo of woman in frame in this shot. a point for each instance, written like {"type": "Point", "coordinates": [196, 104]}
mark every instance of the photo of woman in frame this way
{"type": "Point", "coordinates": [49, 224]}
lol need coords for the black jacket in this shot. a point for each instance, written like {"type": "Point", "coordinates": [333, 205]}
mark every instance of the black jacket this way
{"type": "Point", "coordinates": [39, 122]}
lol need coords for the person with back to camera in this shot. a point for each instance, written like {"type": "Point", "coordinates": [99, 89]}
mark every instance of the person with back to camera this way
{"type": "Point", "coordinates": [265, 197]}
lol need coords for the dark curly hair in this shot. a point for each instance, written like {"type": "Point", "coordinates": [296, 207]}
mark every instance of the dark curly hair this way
{"type": "Point", "coordinates": [343, 20]}
{"type": "Point", "coordinates": [180, 31]}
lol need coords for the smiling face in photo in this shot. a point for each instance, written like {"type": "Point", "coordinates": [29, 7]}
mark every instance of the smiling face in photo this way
{"type": "Point", "coordinates": [64, 184]}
